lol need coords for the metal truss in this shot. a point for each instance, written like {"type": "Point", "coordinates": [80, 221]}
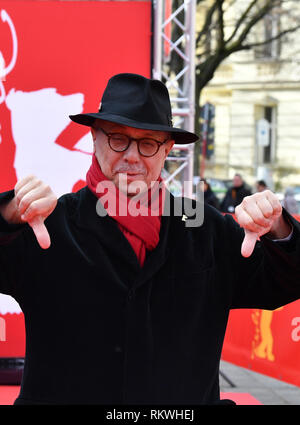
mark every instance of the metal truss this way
{"type": "Point", "coordinates": [181, 85]}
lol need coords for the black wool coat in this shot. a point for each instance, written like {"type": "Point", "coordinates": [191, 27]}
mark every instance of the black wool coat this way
{"type": "Point", "coordinates": [100, 329]}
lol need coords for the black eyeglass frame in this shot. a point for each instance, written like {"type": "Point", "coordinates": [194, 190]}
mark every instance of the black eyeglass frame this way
{"type": "Point", "coordinates": [130, 139]}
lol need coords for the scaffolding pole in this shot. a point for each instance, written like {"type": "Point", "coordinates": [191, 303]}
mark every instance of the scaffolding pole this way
{"type": "Point", "coordinates": [181, 85]}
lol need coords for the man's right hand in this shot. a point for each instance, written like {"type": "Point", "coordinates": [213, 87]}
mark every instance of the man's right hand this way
{"type": "Point", "coordinates": [34, 201]}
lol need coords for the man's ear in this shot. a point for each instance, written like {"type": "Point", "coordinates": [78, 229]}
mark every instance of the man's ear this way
{"type": "Point", "coordinates": [93, 131]}
{"type": "Point", "coordinates": [168, 146]}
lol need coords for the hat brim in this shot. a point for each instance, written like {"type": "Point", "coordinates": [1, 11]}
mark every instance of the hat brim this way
{"type": "Point", "coordinates": [178, 134]}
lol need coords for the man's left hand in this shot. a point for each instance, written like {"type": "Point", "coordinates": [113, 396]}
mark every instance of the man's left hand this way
{"type": "Point", "coordinates": [260, 214]}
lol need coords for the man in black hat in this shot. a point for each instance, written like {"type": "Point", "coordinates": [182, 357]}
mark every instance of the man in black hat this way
{"type": "Point", "coordinates": [128, 304]}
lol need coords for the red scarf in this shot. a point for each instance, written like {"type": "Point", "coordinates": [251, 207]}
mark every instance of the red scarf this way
{"type": "Point", "coordinates": [142, 228]}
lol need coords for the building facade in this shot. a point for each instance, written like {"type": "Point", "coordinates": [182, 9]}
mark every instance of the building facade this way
{"type": "Point", "coordinates": [256, 94]}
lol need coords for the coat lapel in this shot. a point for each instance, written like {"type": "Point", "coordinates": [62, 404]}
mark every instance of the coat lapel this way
{"type": "Point", "coordinates": [171, 236]}
{"type": "Point", "coordinates": [105, 229]}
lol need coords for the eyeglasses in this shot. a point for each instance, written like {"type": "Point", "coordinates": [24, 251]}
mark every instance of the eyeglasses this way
{"type": "Point", "coordinates": [119, 142]}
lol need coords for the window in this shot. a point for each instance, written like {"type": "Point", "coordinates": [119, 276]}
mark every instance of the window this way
{"type": "Point", "coordinates": [266, 145]}
{"type": "Point", "coordinates": [271, 28]}
{"type": "Point", "coordinates": [267, 151]}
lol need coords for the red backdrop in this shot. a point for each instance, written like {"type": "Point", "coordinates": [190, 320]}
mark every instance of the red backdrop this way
{"type": "Point", "coordinates": [72, 47]}
{"type": "Point", "coordinates": [59, 56]}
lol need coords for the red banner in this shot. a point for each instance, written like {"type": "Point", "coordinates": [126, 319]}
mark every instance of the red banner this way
{"type": "Point", "coordinates": [57, 57]}
{"type": "Point", "coordinates": [12, 334]}
{"type": "Point", "coordinates": [55, 60]}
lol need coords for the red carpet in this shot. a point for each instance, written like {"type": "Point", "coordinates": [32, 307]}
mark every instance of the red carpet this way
{"type": "Point", "coordinates": [241, 398]}
{"type": "Point", "coordinates": [8, 394]}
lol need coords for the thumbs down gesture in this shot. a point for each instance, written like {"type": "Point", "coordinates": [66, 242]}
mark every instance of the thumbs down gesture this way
{"type": "Point", "coordinates": [34, 202]}
{"type": "Point", "coordinates": [261, 214]}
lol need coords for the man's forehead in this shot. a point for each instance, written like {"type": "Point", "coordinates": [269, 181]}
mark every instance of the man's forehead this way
{"type": "Point", "coordinates": [115, 127]}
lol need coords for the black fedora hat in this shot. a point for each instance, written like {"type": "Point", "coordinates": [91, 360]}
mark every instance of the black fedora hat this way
{"type": "Point", "coordinates": [139, 102]}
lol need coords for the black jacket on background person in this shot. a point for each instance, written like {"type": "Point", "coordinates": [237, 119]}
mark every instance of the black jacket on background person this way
{"type": "Point", "coordinates": [233, 198]}
{"type": "Point", "coordinates": [100, 329]}
{"type": "Point", "coordinates": [211, 199]}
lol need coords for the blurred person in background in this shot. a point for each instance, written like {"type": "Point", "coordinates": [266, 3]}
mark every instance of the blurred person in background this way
{"type": "Point", "coordinates": [289, 202]}
{"type": "Point", "coordinates": [261, 186]}
{"type": "Point", "coordinates": [209, 196]}
{"type": "Point", "coordinates": [235, 194]}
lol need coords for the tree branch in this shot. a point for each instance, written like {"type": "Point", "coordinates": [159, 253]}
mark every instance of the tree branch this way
{"type": "Point", "coordinates": [241, 20]}
{"type": "Point", "coordinates": [256, 18]}
{"type": "Point", "coordinates": [252, 22]}
{"type": "Point", "coordinates": [207, 23]}
{"type": "Point", "coordinates": [220, 41]}
{"type": "Point", "coordinates": [278, 36]}
{"type": "Point", "coordinates": [215, 18]}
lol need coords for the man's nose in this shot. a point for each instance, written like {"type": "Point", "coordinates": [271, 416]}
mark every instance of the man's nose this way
{"type": "Point", "coordinates": [132, 153]}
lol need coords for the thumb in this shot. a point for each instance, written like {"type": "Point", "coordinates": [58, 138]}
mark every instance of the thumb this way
{"type": "Point", "coordinates": [40, 231]}
{"type": "Point", "coordinates": [248, 243]}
